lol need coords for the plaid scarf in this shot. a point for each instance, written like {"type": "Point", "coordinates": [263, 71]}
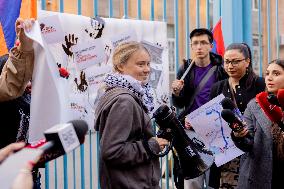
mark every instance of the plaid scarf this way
{"type": "Point", "coordinates": [133, 85]}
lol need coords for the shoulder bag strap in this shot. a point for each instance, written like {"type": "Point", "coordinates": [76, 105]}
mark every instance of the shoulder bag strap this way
{"type": "Point", "coordinates": [198, 89]}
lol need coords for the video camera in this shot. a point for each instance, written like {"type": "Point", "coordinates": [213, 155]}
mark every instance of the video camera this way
{"type": "Point", "coordinates": [194, 158]}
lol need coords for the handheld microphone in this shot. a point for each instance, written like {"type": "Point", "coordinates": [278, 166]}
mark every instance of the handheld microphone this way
{"type": "Point", "coordinates": [227, 103]}
{"type": "Point", "coordinates": [234, 122]}
{"type": "Point", "coordinates": [60, 139]}
{"type": "Point", "coordinates": [275, 100]}
{"type": "Point", "coordinates": [280, 98]}
{"type": "Point", "coordinates": [272, 99]}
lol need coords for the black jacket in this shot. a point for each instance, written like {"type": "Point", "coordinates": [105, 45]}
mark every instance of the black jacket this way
{"type": "Point", "coordinates": [243, 96]}
{"type": "Point", "coordinates": [14, 116]}
{"type": "Point", "coordinates": [185, 95]}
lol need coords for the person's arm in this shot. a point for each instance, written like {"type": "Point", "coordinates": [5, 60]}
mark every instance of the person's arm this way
{"type": "Point", "coordinates": [17, 71]}
{"type": "Point", "coordinates": [178, 95]}
{"type": "Point", "coordinates": [24, 179]}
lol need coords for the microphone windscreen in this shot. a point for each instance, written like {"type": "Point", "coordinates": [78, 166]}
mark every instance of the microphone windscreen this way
{"type": "Point", "coordinates": [54, 145]}
{"type": "Point", "coordinates": [272, 99]}
{"type": "Point", "coordinates": [81, 128]}
{"type": "Point", "coordinates": [228, 115]}
{"type": "Point", "coordinates": [228, 104]}
{"type": "Point", "coordinates": [280, 97]}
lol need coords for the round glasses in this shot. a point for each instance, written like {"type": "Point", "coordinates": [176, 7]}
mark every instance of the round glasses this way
{"type": "Point", "coordinates": [233, 62]}
{"type": "Point", "coordinates": [195, 44]}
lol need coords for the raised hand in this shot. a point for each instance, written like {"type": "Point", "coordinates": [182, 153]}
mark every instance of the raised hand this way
{"type": "Point", "coordinates": [177, 86]}
{"type": "Point", "coordinates": [26, 44]}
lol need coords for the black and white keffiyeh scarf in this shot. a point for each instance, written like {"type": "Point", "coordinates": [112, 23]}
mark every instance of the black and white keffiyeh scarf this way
{"type": "Point", "coordinates": [125, 81]}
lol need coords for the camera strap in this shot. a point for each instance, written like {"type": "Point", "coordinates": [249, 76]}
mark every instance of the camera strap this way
{"type": "Point", "coordinates": [177, 172]}
{"type": "Point", "coordinates": [198, 89]}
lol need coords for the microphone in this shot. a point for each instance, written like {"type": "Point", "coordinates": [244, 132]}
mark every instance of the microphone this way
{"type": "Point", "coordinates": [59, 140]}
{"type": "Point", "coordinates": [227, 103]}
{"type": "Point", "coordinates": [280, 98]}
{"type": "Point", "coordinates": [234, 122]}
{"type": "Point", "coordinates": [272, 99]}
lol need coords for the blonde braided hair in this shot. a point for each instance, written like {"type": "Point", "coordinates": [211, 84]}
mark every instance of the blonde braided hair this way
{"type": "Point", "coordinates": [124, 51]}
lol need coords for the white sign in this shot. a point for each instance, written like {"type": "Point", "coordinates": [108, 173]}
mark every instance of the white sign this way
{"type": "Point", "coordinates": [89, 53]}
{"type": "Point", "coordinates": [210, 126]}
{"type": "Point", "coordinates": [155, 51]}
{"type": "Point", "coordinates": [51, 29]}
{"type": "Point", "coordinates": [123, 38]}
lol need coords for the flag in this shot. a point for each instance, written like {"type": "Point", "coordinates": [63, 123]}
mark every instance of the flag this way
{"type": "Point", "coordinates": [10, 10]}
{"type": "Point", "coordinates": [218, 41]}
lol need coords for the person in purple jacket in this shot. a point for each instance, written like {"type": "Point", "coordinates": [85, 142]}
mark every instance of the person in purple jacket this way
{"type": "Point", "coordinates": [191, 90]}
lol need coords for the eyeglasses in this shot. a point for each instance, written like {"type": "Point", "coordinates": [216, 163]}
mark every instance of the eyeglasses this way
{"type": "Point", "coordinates": [233, 62]}
{"type": "Point", "coordinates": [195, 44]}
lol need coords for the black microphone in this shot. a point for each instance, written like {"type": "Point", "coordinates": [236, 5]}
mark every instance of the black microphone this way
{"type": "Point", "coordinates": [272, 99]}
{"type": "Point", "coordinates": [234, 122]}
{"type": "Point", "coordinates": [60, 139]}
{"type": "Point", "coordinates": [280, 98]}
{"type": "Point", "coordinates": [227, 103]}
{"type": "Point", "coordinates": [277, 101]}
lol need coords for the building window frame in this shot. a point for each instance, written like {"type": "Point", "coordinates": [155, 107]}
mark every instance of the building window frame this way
{"type": "Point", "coordinates": [255, 5]}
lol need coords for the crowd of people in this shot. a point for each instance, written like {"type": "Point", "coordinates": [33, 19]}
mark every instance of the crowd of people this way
{"type": "Point", "coordinates": [127, 140]}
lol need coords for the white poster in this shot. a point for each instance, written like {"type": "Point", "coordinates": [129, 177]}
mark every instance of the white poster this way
{"type": "Point", "coordinates": [51, 29]}
{"type": "Point", "coordinates": [68, 72]}
{"type": "Point", "coordinates": [89, 53]}
{"type": "Point", "coordinates": [210, 126]}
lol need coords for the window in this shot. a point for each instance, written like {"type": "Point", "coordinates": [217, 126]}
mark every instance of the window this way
{"type": "Point", "coordinates": [171, 46]}
{"type": "Point", "coordinates": [255, 5]}
{"type": "Point", "coordinates": [255, 55]}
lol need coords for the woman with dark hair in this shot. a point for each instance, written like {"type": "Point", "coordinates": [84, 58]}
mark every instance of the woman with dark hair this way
{"type": "Point", "coordinates": [263, 163]}
{"type": "Point", "coordinates": [241, 86]}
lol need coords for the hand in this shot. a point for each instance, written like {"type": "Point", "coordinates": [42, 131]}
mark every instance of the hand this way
{"type": "Point", "coordinates": [11, 148]}
{"type": "Point", "coordinates": [28, 88]}
{"type": "Point", "coordinates": [187, 125]}
{"type": "Point", "coordinates": [177, 86]}
{"type": "Point", "coordinates": [162, 143]}
{"type": "Point", "coordinates": [24, 179]}
{"type": "Point", "coordinates": [26, 44]}
{"type": "Point", "coordinates": [242, 133]}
